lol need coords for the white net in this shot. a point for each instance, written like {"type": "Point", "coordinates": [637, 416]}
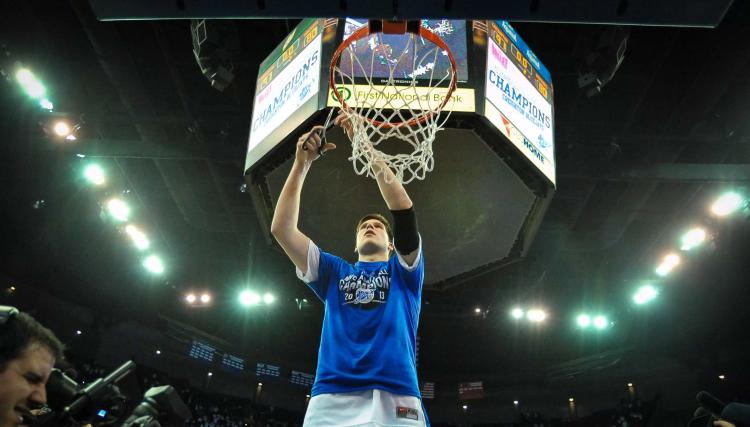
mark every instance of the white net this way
{"type": "Point", "coordinates": [402, 98]}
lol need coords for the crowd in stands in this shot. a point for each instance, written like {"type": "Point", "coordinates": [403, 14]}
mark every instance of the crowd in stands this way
{"type": "Point", "coordinates": [212, 410]}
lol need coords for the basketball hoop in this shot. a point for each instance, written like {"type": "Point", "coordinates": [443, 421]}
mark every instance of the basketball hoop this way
{"type": "Point", "coordinates": [405, 104]}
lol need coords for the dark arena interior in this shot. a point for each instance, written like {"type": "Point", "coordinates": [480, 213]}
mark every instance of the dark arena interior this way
{"type": "Point", "coordinates": [596, 277]}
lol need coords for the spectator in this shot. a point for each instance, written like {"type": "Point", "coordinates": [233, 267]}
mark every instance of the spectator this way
{"type": "Point", "coordinates": [28, 352]}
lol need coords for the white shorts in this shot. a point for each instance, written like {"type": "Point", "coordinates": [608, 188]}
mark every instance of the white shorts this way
{"type": "Point", "coordinates": [367, 408]}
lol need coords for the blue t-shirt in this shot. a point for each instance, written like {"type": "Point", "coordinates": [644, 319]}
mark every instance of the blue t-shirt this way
{"type": "Point", "coordinates": [370, 323]}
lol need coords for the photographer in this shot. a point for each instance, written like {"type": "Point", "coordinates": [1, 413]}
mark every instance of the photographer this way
{"type": "Point", "coordinates": [28, 352]}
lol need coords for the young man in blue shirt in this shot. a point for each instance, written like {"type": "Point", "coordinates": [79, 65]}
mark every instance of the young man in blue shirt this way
{"type": "Point", "coordinates": [366, 373]}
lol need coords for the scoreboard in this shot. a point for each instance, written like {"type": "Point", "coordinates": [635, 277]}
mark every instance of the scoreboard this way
{"type": "Point", "coordinates": [286, 89]}
{"type": "Point", "coordinates": [518, 96]}
{"type": "Point", "coordinates": [501, 80]}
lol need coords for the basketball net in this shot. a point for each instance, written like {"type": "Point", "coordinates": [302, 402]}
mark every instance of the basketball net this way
{"type": "Point", "coordinates": [402, 107]}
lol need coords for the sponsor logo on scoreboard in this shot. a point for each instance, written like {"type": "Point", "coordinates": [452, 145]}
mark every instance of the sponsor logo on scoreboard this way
{"type": "Point", "coordinates": [415, 98]}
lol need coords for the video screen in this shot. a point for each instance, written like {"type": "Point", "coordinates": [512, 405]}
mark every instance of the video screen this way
{"type": "Point", "coordinates": [381, 52]}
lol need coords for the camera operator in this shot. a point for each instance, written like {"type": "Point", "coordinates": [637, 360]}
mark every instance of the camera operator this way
{"type": "Point", "coordinates": [28, 352]}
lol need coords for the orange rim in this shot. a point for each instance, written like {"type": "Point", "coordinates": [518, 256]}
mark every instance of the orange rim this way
{"type": "Point", "coordinates": [363, 32]}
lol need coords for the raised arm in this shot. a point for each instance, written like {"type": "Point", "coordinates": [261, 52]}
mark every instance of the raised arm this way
{"type": "Point", "coordinates": [406, 237]}
{"type": "Point", "coordinates": [286, 216]}
{"type": "Point", "coordinates": [398, 202]}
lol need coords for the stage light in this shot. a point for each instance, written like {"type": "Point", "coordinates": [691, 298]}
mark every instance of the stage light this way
{"type": "Point", "coordinates": [465, 407]}
{"type": "Point", "coordinates": [517, 313]}
{"type": "Point", "coordinates": [260, 384]}
{"type": "Point", "coordinates": [583, 320]}
{"type": "Point", "coordinates": [645, 294]}
{"type": "Point", "coordinates": [536, 315]}
{"type": "Point", "coordinates": [94, 174]}
{"type": "Point", "coordinates": [210, 374]}
{"type": "Point", "coordinates": [139, 239]}
{"type": "Point", "coordinates": [190, 298]}
{"type": "Point", "coordinates": [30, 84]}
{"type": "Point", "coordinates": [205, 298]}
{"type": "Point", "coordinates": [248, 298]}
{"type": "Point", "coordinates": [477, 310]}
{"type": "Point", "coordinates": [154, 264]}
{"type": "Point", "coordinates": [721, 377]}
{"type": "Point", "coordinates": [571, 400]}
{"type": "Point", "coordinates": [600, 322]}
{"type": "Point", "coordinates": [693, 238]}
{"type": "Point", "coordinates": [158, 352]}
{"type": "Point", "coordinates": [630, 384]}
{"type": "Point", "coordinates": [727, 204]}
{"type": "Point", "coordinates": [515, 402]}
{"type": "Point", "coordinates": [70, 137]}
{"type": "Point", "coordinates": [118, 210]}
{"type": "Point", "coordinates": [46, 104]}
{"type": "Point", "coordinates": [61, 129]}
{"type": "Point", "coordinates": [668, 264]}
{"type": "Point", "coordinates": [78, 332]}
{"type": "Point", "coordinates": [268, 298]}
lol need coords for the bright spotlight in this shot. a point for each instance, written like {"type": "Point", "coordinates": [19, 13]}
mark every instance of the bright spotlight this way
{"type": "Point", "coordinates": [158, 352]}
{"type": "Point", "coordinates": [477, 310]}
{"type": "Point", "coordinates": [154, 264]}
{"type": "Point", "coordinates": [94, 174]}
{"type": "Point", "coordinates": [630, 384]}
{"type": "Point", "coordinates": [139, 239]}
{"type": "Point", "coordinates": [721, 377]}
{"type": "Point", "coordinates": [78, 332]}
{"type": "Point", "coordinates": [600, 322]}
{"type": "Point", "coordinates": [249, 298]}
{"type": "Point", "coordinates": [205, 298]}
{"type": "Point", "coordinates": [668, 264]}
{"type": "Point", "coordinates": [693, 238]}
{"type": "Point", "coordinates": [46, 104]}
{"type": "Point", "coordinates": [190, 298]}
{"type": "Point", "coordinates": [726, 204]}
{"type": "Point", "coordinates": [515, 402]}
{"type": "Point", "coordinates": [30, 84]}
{"type": "Point", "coordinates": [210, 374]}
{"type": "Point", "coordinates": [583, 320]}
{"type": "Point", "coordinates": [118, 209]}
{"type": "Point", "coordinates": [571, 400]}
{"type": "Point", "coordinates": [62, 129]}
{"type": "Point", "coordinates": [536, 315]}
{"type": "Point", "coordinates": [517, 313]}
{"type": "Point", "coordinates": [645, 294]}
{"type": "Point", "coordinates": [268, 298]}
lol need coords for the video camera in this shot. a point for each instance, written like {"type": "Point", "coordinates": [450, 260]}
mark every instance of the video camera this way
{"type": "Point", "coordinates": [711, 409]}
{"type": "Point", "coordinates": [101, 403]}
